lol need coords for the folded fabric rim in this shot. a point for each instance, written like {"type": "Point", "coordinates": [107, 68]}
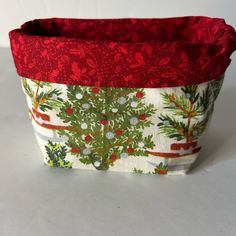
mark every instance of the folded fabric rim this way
{"type": "Point", "coordinates": [139, 53]}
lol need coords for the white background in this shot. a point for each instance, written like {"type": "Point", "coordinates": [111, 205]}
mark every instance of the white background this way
{"type": "Point", "coordinates": [15, 12]}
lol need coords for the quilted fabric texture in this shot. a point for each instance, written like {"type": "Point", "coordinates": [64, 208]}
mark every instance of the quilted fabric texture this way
{"type": "Point", "coordinates": [144, 53]}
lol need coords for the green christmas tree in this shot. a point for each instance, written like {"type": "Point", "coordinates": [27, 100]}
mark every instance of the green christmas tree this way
{"type": "Point", "coordinates": [190, 113]}
{"type": "Point", "coordinates": [56, 155]}
{"type": "Point", "coordinates": [106, 124]}
{"type": "Point", "coordinates": [41, 94]}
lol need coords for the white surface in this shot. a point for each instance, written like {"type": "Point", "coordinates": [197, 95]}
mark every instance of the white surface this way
{"type": "Point", "coordinates": [36, 200]}
{"type": "Point", "coordinates": [13, 13]}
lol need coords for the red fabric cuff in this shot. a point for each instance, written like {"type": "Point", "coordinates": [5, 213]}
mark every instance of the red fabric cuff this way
{"type": "Point", "coordinates": [140, 53]}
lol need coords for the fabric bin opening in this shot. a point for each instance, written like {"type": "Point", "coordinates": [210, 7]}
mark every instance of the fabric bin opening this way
{"type": "Point", "coordinates": [150, 52]}
{"type": "Point", "coordinates": [181, 30]}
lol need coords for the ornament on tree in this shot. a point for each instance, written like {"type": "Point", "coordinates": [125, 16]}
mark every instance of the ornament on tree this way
{"type": "Point", "coordinates": [87, 151]}
{"type": "Point", "coordinates": [130, 149]}
{"type": "Point", "coordinates": [133, 120]}
{"type": "Point", "coordinates": [142, 117]}
{"type": "Point", "coordinates": [121, 100]}
{"type": "Point", "coordinates": [69, 111]}
{"type": "Point", "coordinates": [139, 95]}
{"type": "Point", "coordinates": [74, 150]}
{"type": "Point", "coordinates": [95, 90]}
{"type": "Point", "coordinates": [114, 110]}
{"type": "Point", "coordinates": [113, 157]}
{"type": "Point", "coordinates": [79, 96]}
{"type": "Point", "coordinates": [118, 132]}
{"type": "Point", "coordinates": [86, 106]}
{"type": "Point", "coordinates": [172, 104]}
{"type": "Point", "coordinates": [84, 125]}
{"type": "Point", "coordinates": [124, 155]}
{"type": "Point", "coordinates": [88, 138]}
{"type": "Point", "coordinates": [104, 121]}
{"type": "Point", "coordinates": [133, 104]}
{"type": "Point", "coordinates": [110, 135]}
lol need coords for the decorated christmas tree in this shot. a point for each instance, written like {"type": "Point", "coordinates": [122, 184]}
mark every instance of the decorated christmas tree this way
{"type": "Point", "coordinates": [56, 155]}
{"type": "Point", "coordinates": [106, 124]}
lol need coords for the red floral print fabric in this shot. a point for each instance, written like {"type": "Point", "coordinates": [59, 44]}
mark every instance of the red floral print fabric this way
{"type": "Point", "coordinates": [138, 53]}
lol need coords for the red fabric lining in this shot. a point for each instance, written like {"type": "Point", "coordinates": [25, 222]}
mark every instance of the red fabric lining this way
{"type": "Point", "coordinates": [144, 53]}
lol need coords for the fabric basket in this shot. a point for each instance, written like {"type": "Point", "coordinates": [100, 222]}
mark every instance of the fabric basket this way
{"type": "Point", "coordinates": [132, 95]}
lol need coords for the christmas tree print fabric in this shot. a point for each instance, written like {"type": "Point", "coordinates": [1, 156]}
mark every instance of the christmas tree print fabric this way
{"type": "Point", "coordinates": [140, 130]}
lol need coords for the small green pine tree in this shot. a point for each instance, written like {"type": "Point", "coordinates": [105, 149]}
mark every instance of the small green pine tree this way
{"type": "Point", "coordinates": [56, 155]}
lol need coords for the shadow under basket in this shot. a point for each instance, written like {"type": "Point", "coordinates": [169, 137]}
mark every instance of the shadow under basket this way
{"type": "Point", "coordinates": [131, 95]}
